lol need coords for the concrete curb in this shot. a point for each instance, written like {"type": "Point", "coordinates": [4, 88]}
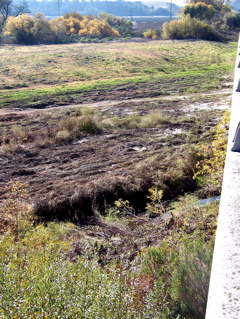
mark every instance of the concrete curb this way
{"type": "Point", "coordinates": [224, 289]}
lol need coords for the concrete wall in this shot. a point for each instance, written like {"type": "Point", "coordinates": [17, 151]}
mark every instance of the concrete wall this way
{"type": "Point", "coordinates": [224, 290]}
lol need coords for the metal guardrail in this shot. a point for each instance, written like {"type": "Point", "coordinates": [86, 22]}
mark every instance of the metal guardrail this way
{"type": "Point", "coordinates": [224, 289]}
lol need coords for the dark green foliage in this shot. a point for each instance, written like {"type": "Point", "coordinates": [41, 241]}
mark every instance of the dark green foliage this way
{"type": "Point", "coordinates": [232, 20]}
{"type": "Point", "coordinates": [25, 38]}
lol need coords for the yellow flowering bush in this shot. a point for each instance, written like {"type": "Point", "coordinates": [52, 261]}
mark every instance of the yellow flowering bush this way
{"type": "Point", "coordinates": [214, 156]}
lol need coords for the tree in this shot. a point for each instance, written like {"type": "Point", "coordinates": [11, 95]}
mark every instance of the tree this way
{"type": "Point", "coordinates": [87, 26]}
{"type": "Point", "coordinates": [123, 26]}
{"type": "Point", "coordinates": [101, 29]}
{"type": "Point", "coordinates": [8, 8]}
{"type": "Point", "coordinates": [199, 10]}
{"type": "Point", "coordinates": [74, 15]}
{"type": "Point", "coordinates": [20, 29]}
{"type": "Point", "coordinates": [42, 30]}
{"type": "Point", "coordinates": [232, 20]}
{"type": "Point", "coordinates": [72, 24]}
{"type": "Point", "coordinates": [25, 29]}
{"type": "Point", "coordinates": [59, 29]}
{"type": "Point", "coordinates": [219, 5]}
{"type": "Point", "coordinates": [189, 28]}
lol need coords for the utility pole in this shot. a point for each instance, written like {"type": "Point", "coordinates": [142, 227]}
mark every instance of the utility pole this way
{"type": "Point", "coordinates": [171, 10]}
{"type": "Point", "coordinates": [58, 4]}
{"type": "Point", "coordinates": [131, 15]}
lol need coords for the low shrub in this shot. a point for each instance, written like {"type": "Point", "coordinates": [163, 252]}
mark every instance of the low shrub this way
{"type": "Point", "coordinates": [153, 119]}
{"type": "Point", "coordinates": [129, 122]}
{"type": "Point", "coordinates": [180, 277]}
{"type": "Point", "coordinates": [152, 34]}
{"type": "Point", "coordinates": [192, 218]}
{"type": "Point", "coordinates": [155, 205]}
{"type": "Point", "coordinates": [191, 275]}
{"type": "Point", "coordinates": [73, 126]}
{"type": "Point", "coordinates": [209, 170]}
{"type": "Point", "coordinates": [189, 28]}
{"type": "Point", "coordinates": [39, 279]}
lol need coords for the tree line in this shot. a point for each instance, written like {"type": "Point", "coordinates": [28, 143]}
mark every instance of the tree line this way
{"type": "Point", "coordinates": [36, 29]}
{"type": "Point", "coordinates": [208, 19]}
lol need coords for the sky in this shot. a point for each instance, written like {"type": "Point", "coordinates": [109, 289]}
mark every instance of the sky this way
{"type": "Point", "coordinates": [179, 2]}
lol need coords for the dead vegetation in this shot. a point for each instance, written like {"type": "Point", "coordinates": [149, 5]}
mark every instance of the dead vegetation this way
{"type": "Point", "coordinates": [81, 146]}
{"type": "Point", "coordinates": [73, 172]}
{"type": "Point", "coordinates": [118, 164]}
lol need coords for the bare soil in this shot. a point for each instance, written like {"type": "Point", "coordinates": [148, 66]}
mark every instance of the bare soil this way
{"type": "Point", "coordinates": [114, 157]}
{"type": "Point", "coordinates": [76, 180]}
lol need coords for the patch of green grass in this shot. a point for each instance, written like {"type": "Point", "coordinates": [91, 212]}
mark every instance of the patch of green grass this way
{"type": "Point", "coordinates": [190, 81]}
{"type": "Point", "coordinates": [44, 68]}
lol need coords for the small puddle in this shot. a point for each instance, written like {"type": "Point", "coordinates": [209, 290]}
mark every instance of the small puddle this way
{"type": "Point", "coordinates": [208, 200]}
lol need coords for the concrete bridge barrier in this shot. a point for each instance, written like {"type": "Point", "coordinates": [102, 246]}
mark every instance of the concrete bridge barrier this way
{"type": "Point", "coordinates": [224, 289]}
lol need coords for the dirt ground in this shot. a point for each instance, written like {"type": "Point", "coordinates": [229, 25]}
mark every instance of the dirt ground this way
{"type": "Point", "coordinates": [59, 170]}
{"type": "Point", "coordinates": [69, 180]}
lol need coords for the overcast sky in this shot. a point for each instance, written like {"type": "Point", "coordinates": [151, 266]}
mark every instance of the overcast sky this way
{"type": "Point", "coordinates": [179, 2]}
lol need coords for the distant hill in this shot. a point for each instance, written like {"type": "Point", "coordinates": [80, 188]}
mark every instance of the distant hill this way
{"type": "Point", "coordinates": [118, 8]}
